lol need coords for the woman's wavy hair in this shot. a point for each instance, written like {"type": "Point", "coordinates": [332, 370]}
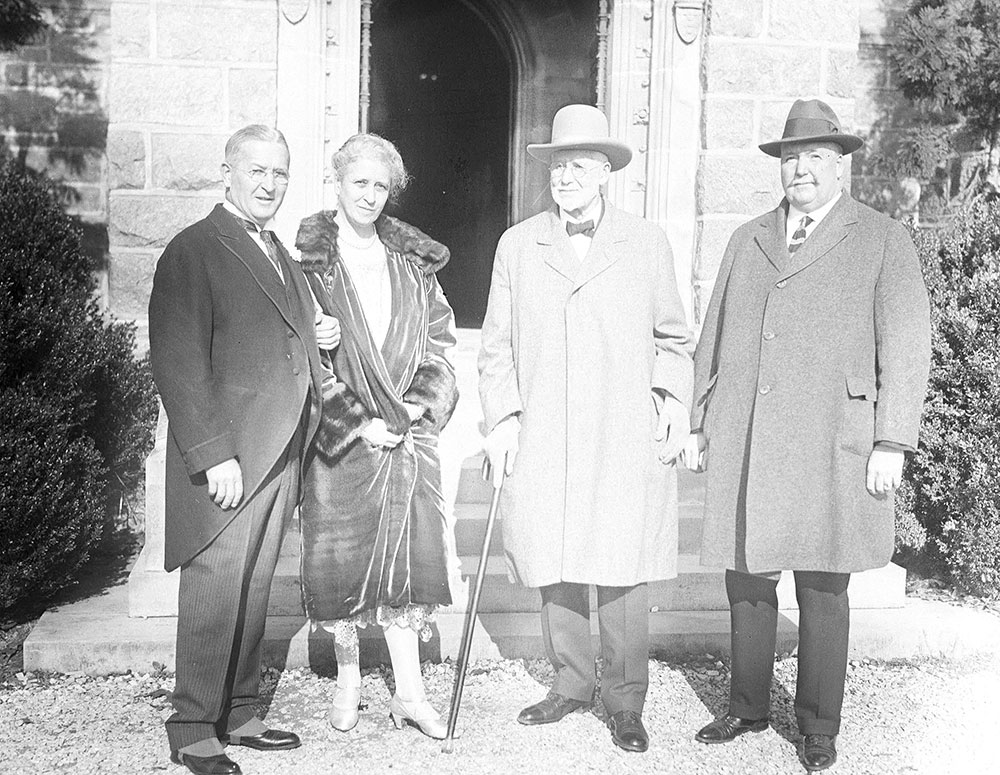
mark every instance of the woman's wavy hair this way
{"type": "Point", "coordinates": [376, 148]}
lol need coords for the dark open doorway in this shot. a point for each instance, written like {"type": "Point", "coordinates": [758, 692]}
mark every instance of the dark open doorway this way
{"type": "Point", "coordinates": [441, 91]}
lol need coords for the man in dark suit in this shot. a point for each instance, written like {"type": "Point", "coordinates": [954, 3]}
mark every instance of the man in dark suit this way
{"type": "Point", "coordinates": [809, 379]}
{"type": "Point", "coordinates": [233, 342]}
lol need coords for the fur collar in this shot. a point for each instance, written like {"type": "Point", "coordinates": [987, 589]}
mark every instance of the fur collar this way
{"type": "Point", "coordinates": [317, 239]}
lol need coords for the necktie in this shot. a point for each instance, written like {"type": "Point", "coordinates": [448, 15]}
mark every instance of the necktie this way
{"type": "Point", "coordinates": [267, 237]}
{"type": "Point", "coordinates": [586, 227]}
{"type": "Point", "coordinates": [799, 235]}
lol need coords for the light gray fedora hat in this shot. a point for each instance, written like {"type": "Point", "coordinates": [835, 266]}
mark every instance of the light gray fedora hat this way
{"type": "Point", "coordinates": [582, 128]}
{"type": "Point", "coordinates": [812, 121]}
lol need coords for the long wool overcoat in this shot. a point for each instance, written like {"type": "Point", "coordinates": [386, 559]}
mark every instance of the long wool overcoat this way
{"type": "Point", "coordinates": [373, 522]}
{"type": "Point", "coordinates": [804, 362]}
{"type": "Point", "coordinates": [234, 357]}
{"type": "Point", "coordinates": [580, 350]}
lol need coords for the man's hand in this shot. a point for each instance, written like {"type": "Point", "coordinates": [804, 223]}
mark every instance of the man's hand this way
{"type": "Point", "coordinates": [378, 435]}
{"type": "Point", "coordinates": [693, 455]}
{"type": "Point", "coordinates": [225, 483]}
{"type": "Point", "coordinates": [672, 429]}
{"type": "Point", "coordinates": [327, 331]}
{"type": "Point", "coordinates": [415, 411]}
{"type": "Point", "coordinates": [885, 471]}
{"type": "Point", "coordinates": [501, 447]}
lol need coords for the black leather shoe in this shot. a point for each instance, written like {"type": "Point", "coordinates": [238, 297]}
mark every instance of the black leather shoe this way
{"type": "Point", "coordinates": [550, 710]}
{"type": "Point", "coordinates": [627, 731]}
{"type": "Point", "coordinates": [268, 740]}
{"type": "Point", "coordinates": [817, 752]}
{"type": "Point", "coordinates": [728, 728]}
{"type": "Point", "coordinates": [220, 764]}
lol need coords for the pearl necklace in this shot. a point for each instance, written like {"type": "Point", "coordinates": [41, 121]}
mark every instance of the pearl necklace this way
{"type": "Point", "coordinates": [362, 245]}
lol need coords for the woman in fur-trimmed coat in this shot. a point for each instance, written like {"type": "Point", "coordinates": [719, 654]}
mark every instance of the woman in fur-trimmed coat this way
{"type": "Point", "coordinates": [373, 523]}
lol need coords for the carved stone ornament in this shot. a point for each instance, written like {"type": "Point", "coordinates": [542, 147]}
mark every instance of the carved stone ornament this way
{"type": "Point", "coordinates": [687, 19]}
{"type": "Point", "coordinates": [294, 10]}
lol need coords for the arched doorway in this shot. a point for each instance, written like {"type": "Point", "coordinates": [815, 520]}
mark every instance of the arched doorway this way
{"type": "Point", "coordinates": [441, 90]}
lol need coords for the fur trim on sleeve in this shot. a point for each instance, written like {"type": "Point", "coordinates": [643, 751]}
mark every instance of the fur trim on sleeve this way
{"type": "Point", "coordinates": [317, 239]}
{"type": "Point", "coordinates": [434, 388]}
{"type": "Point", "coordinates": [343, 418]}
{"type": "Point", "coordinates": [428, 254]}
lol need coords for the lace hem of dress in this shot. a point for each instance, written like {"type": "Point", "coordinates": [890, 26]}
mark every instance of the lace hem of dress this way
{"type": "Point", "coordinates": [416, 616]}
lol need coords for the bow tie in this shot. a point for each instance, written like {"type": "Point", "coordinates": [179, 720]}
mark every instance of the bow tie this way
{"type": "Point", "coordinates": [586, 228]}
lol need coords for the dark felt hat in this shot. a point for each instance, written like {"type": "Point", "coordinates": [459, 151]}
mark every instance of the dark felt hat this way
{"type": "Point", "coordinates": [815, 121]}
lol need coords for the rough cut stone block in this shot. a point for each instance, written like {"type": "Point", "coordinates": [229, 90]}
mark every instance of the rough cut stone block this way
{"type": "Point", "coordinates": [130, 29]}
{"type": "Point", "coordinates": [772, 119]}
{"type": "Point", "coordinates": [187, 162]}
{"type": "Point", "coordinates": [130, 278]}
{"type": "Point", "coordinates": [228, 33]}
{"type": "Point", "coordinates": [841, 73]}
{"type": "Point", "coordinates": [728, 124]}
{"type": "Point", "coordinates": [751, 69]}
{"type": "Point", "coordinates": [739, 184]}
{"type": "Point", "coordinates": [166, 94]}
{"type": "Point", "coordinates": [84, 199]}
{"type": "Point", "coordinates": [814, 21]}
{"type": "Point", "coordinates": [253, 97]}
{"type": "Point", "coordinates": [150, 221]}
{"type": "Point", "coordinates": [126, 159]}
{"type": "Point", "coordinates": [738, 18]}
{"type": "Point", "coordinates": [713, 236]}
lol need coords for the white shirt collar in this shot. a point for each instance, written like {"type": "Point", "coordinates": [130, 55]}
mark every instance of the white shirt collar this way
{"type": "Point", "coordinates": [795, 214]}
{"type": "Point", "coordinates": [592, 213]}
{"type": "Point", "coordinates": [240, 214]}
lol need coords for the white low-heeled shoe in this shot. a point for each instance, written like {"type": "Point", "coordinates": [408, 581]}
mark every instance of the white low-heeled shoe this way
{"type": "Point", "coordinates": [343, 714]}
{"type": "Point", "coordinates": [419, 714]}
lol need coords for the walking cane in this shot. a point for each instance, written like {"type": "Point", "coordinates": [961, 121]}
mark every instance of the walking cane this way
{"type": "Point", "coordinates": [470, 614]}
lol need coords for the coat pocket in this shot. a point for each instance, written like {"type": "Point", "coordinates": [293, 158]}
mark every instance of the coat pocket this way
{"type": "Point", "coordinates": [857, 432]}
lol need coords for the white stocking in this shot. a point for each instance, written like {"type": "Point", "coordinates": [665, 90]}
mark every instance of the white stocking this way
{"type": "Point", "coordinates": [404, 651]}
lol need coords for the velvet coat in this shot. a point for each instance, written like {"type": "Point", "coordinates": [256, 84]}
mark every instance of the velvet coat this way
{"type": "Point", "coordinates": [805, 361]}
{"type": "Point", "coordinates": [373, 519]}
{"type": "Point", "coordinates": [580, 350]}
{"type": "Point", "coordinates": [234, 358]}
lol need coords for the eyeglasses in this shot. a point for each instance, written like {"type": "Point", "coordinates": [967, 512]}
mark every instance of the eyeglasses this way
{"type": "Point", "coordinates": [257, 175]}
{"type": "Point", "coordinates": [576, 170]}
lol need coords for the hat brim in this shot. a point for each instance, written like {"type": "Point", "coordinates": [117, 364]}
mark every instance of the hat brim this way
{"type": "Point", "coordinates": [618, 153]}
{"type": "Point", "coordinates": [848, 143]}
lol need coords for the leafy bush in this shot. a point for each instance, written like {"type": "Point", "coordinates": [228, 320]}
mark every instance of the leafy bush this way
{"type": "Point", "coordinates": [76, 408]}
{"type": "Point", "coordinates": [20, 22]}
{"type": "Point", "coordinates": [953, 482]}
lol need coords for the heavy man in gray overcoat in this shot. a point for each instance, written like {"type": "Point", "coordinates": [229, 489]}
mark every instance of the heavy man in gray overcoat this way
{"type": "Point", "coordinates": [585, 371]}
{"type": "Point", "coordinates": [809, 378]}
{"type": "Point", "coordinates": [233, 341]}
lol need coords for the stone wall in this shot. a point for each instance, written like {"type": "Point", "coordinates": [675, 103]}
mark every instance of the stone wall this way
{"type": "Point", "coordinates": [759, 56]}
{"type": "Point", "coordinates": [53, 108]}
{"type": "Point", "coordinates": [184, 74]}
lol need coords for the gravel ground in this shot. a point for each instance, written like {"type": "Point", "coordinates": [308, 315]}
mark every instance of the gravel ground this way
{"type": "Point", "coordinates": [930, 716]}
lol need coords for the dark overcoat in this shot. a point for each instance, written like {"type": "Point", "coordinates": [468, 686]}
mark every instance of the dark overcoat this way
{"type": "Point", "coordinates": [234, 355]}
{"type": "Point", "coordinates": [805, 361]}
{"type": "Point", "coordinates": [581, 350]}
{"type": "Point", "coordinates": [374, 531]}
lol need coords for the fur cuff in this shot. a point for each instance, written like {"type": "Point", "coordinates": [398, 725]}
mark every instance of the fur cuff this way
{"type": "Point", "coordinates": [317, 239]}
{"type": "Point", "coordinates": [343, 418]}
{"type": "Point", "coordinates": [434, 388]}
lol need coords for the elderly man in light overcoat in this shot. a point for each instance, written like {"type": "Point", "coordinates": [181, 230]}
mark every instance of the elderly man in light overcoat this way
{"type": "Point", "coordinates": [585, 371]}
{"type": "Point", "coordinates": [809, 379]}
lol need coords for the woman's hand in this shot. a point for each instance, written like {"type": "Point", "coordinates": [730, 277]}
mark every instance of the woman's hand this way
{"type": "Point", "coordinates": [378, 435]}
{"type": "Point", "coordinates": [415, 411]}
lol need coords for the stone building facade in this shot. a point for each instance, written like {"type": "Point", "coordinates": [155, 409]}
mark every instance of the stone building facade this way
{"type": "Point", "coordinates": [130, 103]}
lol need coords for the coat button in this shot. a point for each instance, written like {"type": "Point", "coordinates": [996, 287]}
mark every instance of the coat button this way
{"type": "Point", "coordinates": [768, 336]}
{"type": "Point", "coordinates": [288, 355]}
{"type": "Point", "coordinates": [295, 371]}
{"type": "Point", "coordinates": [764, 389]}
{"type": "Point", "coordinates": [291, 334]}
{"type": "Point", "coordinates": [781, 283]}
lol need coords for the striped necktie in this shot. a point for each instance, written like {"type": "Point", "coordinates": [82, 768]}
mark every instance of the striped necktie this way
{"type": "Point", "coordinates": [267, 237]}
{"type": "Point", "coordinates": [799, 235]}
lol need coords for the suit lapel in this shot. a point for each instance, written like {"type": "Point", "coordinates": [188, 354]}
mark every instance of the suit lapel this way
{"type": "Point", "coordinates": [235, 239]}
{"type": "Point", "coordinates": [829, 233]}
{"type": "Point", "coordinates": [556, 249]}
{"type": "Point", "coordinates": [771, 237]}
{"type": "Point", "coordinates": [605, 248]}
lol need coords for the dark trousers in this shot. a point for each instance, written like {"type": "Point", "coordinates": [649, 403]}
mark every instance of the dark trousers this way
{"type": "Point", "coordinates": [623, 619]}
{"type": "Point", "coordinates": [824, 625]}
{"type": "Point", "coordinates": [222, 608]}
